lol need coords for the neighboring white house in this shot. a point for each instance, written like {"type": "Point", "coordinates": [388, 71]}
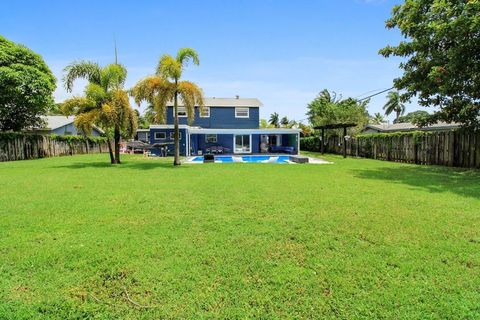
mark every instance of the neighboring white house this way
{"type": "Point", "coordinates": [63, 125]}
{"type": "Point", "coordinates": [399, 127]}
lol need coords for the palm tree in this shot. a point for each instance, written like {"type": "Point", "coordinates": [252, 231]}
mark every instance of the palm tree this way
{"type": "Point", "coordinates": [104, 103]}
{"type": "Point", "coordinates": [275, 120]}
{"type": "Point", "coordinates": [394, 104]}
{"type": "Point", "coordinates": [166, 86]}
{"type": "Point", "coordinates": [377, 118]}
{"type": "Point", "coordinates": [284, 121]}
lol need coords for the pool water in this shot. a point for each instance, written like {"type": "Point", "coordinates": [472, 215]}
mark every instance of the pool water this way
{"type": "Point", "coordinates": [247, 159]}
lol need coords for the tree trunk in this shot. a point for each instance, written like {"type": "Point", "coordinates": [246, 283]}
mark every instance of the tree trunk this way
{"type": "Point", "coordinates": [116, 137]}
{"type": "Point", "coordinates": [112, 158]}
{"type": "Point", "coordinates": [176, 160]}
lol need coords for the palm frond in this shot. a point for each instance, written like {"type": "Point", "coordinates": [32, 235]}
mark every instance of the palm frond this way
{"type": "Point", "coordinates": [192, 95]}
{"type": "Point", "coordinates": [87, 70]}
{"type": "Point", "coordinates": [76, 105]}
{"type": "Point", "coordinates": [95, 92]}
{"type": "Point", "coordinates": [113, 76]}
{"type": "Point", "coordinates": [169, 68]}
{"type": "Point", "coordinates": [84, 121]}
{"type": "Point", "coordinates": [186, 54]}
{"type": "Point", "coordinates": [157, 92]}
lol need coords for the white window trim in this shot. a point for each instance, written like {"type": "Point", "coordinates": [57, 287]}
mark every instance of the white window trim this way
{"type": "Point", "coordinates": [164, 135]}
{"type": "Point", "coordinates": [203, 115]}
{"type": "Point", "coordinates": [180, 109]}
{"type": "Point", "coordinates": [172, 135]}
{"type": "Point", "coordinates": [242, 108]}
{"type": "Point", "coordinates": [242, 152]}
{"type": "Point", "coordinates": [211, 134]}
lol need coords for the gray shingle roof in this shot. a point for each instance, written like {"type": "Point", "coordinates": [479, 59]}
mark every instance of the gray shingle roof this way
{"type": "Point", "coordinates": [410, 127]}
{"type": "Point", "coordinates": [54, 122]}
{"type": "Point", "coordinates": [227, 102]}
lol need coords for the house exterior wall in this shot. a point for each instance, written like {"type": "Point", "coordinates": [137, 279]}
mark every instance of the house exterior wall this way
{"type": "Point", "coordinates": [70, 129]}
{"type": "Point", "coordinates": [168, 140]}
{"type": "Point", "coordinates": [143, 136]}
{"type": "Point", "coordinates": [220, 118]}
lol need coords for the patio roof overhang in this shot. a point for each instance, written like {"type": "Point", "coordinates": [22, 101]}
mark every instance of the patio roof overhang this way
{"type": "Point", "coordinates": [243, 131]}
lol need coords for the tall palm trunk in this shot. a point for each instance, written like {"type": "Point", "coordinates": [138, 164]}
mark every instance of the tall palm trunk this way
{"type": "Point", "coordinates": [109, 143]}
{"type": "Point", "coordinates": [116, 136]}
{"type": "Point", "coordinates": [176, 160]}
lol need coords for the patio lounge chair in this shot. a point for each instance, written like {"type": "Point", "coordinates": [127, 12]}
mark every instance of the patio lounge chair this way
{"type": "Point", "coordinates": [280, 149]}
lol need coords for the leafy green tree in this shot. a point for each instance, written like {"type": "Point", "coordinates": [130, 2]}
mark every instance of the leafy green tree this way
{"type": "Point", "coordinates": [264, 124]}
{"type": "Point", "coordinates": [306, 130]}
{"type": "Point", "coordinates": [274, 120]}
{"type": "Point", "coordinates": [377, 118]}
{"type": "Point", "coordinates": [55, 110]}
{"type": "Point", "coordinates": [149, 114]}
{"type": "Point", "coordinates": [143, 120]}
{"type": "Point", "coordinates": [415, 117]}
{"type": "Point", "coordinates": [394, 105]}
{"type": "Point", "coordinates": [166, 86]}
{"type": "Point", "coordinates": [26, 87]}
{"type": "Point", "coordinates": [104, 103]}
{"type": "Point", "coordinates": [327, 108]}
{"type": "Point", "coordinates": [441, 47]}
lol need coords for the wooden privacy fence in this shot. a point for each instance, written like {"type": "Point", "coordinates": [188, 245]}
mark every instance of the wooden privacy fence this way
{"type": "Point", "coordinates": [449, 148]}
{"type": "Point", "coordinates": [25, 146]}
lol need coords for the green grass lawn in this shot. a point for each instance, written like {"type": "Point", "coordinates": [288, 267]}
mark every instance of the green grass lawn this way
{"type": "Point", "coordinates": [356, 239]}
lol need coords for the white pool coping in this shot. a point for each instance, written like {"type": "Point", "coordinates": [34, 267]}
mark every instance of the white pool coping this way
{"type": "Point", "coordinates": [237, 159]}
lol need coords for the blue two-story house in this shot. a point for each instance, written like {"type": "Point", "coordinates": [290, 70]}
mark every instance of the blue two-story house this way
{"type": "Point", "coordinates": [224, 125]}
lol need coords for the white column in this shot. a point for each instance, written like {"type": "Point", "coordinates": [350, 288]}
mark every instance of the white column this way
{"type": "Point", "coordinates": [298, 143]}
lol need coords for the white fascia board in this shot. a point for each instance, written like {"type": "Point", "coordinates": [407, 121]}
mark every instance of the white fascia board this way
{"type": "Point", "coordinates": [242, 131]}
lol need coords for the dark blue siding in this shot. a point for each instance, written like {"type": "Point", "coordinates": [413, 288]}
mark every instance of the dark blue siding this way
{"type": "Point", "coordinates": [183, 140]}
{"type": "Point", "coordinates": [224, 140]}
{"type": "Point", "coordinates": [221, 118]}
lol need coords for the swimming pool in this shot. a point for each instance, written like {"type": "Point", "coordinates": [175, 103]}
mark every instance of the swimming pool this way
{"type": "Point", "coordinates": [245, 159]}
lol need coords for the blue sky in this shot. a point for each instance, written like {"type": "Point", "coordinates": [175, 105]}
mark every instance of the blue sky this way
{"type": "Point", "coordinates": [282, 52]}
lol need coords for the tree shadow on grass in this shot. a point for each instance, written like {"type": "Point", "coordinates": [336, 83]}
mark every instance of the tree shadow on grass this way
{"type": "Point", "coordinates": [135, 165]}
{"type": "Point", "coordinates": [435, 179]}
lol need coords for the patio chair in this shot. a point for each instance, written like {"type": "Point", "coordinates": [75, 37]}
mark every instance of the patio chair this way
{"type": "Point", "coordinates": [220, 149]}
{"type": "Point", "coordinates": [207, 150]}
{"type": "Point", "coordinates": [214, 149]}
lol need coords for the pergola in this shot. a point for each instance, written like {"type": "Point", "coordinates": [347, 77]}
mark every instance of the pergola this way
{"type": "Point", "coordinates": [335, 126]}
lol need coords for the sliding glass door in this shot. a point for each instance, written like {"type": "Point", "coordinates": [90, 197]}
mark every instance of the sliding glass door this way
{"type": "Point", "coordinates": [242, 143]}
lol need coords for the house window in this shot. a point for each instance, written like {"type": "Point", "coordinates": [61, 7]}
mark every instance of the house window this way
{"type": "Point", "coordinates": [172, 135]}
{"type": "Point", "coordinates": [210, 138]}
{"type": "Point", "coordinates": [242, 143]}
{"type": "Point", "coordinates": [242, 112]}
{"type": "Point", "coordinates": [205, 112]}
{"type": "Point", "coordinates": [182, 112]}
{"type": "Point", "coordinates": [160, 135]}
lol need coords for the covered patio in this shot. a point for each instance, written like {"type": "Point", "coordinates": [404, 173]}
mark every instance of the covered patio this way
{"type": "Point", "coordinates": [243, 141]}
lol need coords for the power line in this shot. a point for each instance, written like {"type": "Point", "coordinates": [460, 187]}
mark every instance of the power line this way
{"type": "Point", "coordinates": [376, 94]}
{"type": "Point", "coordinates": [368, 92]}
{"type": "Point", "coordinates": [360, 100]}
